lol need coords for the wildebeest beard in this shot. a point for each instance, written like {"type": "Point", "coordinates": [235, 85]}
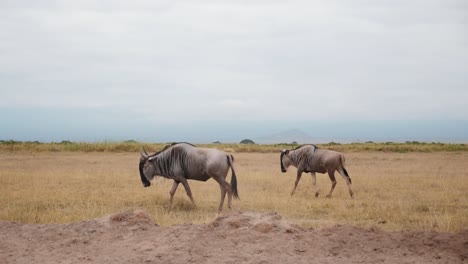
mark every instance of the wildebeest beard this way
{"type": "Point", "coordinates": [283, 169]}
{"type": "Point", "coordinates": [145, 181]}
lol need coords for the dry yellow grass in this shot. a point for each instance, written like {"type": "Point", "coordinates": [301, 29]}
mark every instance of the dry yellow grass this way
{"type": "Point", "coordinates": [396, 191]}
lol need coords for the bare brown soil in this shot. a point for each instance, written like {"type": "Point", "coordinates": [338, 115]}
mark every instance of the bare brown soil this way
{"type": "Point", "coordinates": [235, 237]}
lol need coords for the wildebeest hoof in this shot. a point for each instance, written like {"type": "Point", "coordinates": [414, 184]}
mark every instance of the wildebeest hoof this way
{"type": "Point", "coordinates": [316, 194]}
{"type": "Point", "coordinates": [328, 196]}
{"type": "Point", "coordinates": [146, 184]}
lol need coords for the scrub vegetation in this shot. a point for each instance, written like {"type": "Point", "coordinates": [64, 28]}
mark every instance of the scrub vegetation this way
{"type": "Point", "coordinates": [134, 146]}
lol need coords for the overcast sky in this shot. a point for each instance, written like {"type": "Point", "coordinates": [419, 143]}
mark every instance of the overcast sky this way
{"type": "Point", "coordinates": [208, 70]}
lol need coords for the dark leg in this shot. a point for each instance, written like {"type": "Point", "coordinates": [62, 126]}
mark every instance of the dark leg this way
{"type": "Point", "coordinates": [172, 192]}
{"type": "Point", "coordinates": [225, 188]}
{"type": "Point", "coordinates": [299, 174]}
{"type": "Point", "coordinates": [314, 182]}
{"type": "Point", "coordinates": [331, 174]}
{"type": "Point", "coordinates": [223, 195]}
{"type": "Point", "coordinates": [187, 189]}
{"type": "Point", "coordinates": [228, 188]}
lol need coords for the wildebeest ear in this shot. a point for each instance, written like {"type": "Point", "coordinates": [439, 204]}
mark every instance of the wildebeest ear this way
{"type": "Point", "coordinates": [286, 152]}
{"type": "Point", "coordinates": [152, 158]}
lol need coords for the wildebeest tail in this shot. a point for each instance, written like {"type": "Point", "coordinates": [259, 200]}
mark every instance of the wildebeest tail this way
{"type": "Point", "coordinates": [347, 175]}
{"type": "Point", "coordinates": [344, 170]}
{"type": "Point", "coordinates": [230, 160]}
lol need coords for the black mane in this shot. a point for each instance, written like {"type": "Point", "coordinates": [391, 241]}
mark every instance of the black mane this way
{"type": "Point", "coordinates": [170, 145]}
{"type": "Point", "coordinates": [298, 147]}
{"type": "Point", "coordinates": [175, 143]}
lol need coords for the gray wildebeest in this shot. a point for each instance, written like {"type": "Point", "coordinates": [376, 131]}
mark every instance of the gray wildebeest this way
{"type": "Point", "coordinates": [184, 161]}
{"type": "Point", "coordinates": [310, 158]}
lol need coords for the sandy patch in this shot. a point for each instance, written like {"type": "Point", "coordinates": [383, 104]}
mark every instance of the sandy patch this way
{"type": "Point", "coordinates": [236, 237]}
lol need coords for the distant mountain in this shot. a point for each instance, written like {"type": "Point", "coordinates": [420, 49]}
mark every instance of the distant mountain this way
{"type": "Point", "coordinates": [287, 136]}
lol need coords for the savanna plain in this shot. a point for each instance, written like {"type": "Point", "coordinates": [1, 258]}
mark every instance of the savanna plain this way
{"type": "Point", "coordinates": [423, 191]}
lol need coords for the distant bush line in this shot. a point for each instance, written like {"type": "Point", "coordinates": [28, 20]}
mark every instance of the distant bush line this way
{"type": "Point", "coordinates": [134, 146]}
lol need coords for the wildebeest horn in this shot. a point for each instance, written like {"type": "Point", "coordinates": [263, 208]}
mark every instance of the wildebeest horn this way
{"type": "Point", "coordinates": [143, 153]}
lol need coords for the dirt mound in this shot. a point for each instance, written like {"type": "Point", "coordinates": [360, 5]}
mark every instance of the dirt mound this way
{"type": "Point", "coordinates": [137, 217]}
{"type": "Point", "coordinates": [245, 237]}
{"type": "Point", "coordinates": [260, 222]}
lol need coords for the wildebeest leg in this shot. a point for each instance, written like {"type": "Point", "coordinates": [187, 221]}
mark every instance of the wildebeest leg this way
{"type": "Point", "coordinates": [347, 179]}
{"type": "Point", "coordinates": [225, 188]}
{"type": "Point", "coordinates": [223, 195]}
{"type": "Point", "coordinates": [172, 192]}
{"type": "Point", "coordinates": [298, 178]}
{"type": "Point", "coordinates": [187, 189]}
{"type": "Point", "coordinates": [228, 189]}
{"type": "Point", "coordinates": [331, 174]}
{"type": "Point", "coordinates": [314, 182]}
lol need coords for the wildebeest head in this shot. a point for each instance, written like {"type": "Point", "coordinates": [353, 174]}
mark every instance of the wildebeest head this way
{"type": "Point", "coordinates": [285, 160]}
{"type": "Point", "coordinates": [146, 168]}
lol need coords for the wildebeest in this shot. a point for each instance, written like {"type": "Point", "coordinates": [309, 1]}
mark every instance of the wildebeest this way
{"type": "Point", "coordinates": [184, 161]}
{"type": "Point", "coordinates": [310, 158]}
